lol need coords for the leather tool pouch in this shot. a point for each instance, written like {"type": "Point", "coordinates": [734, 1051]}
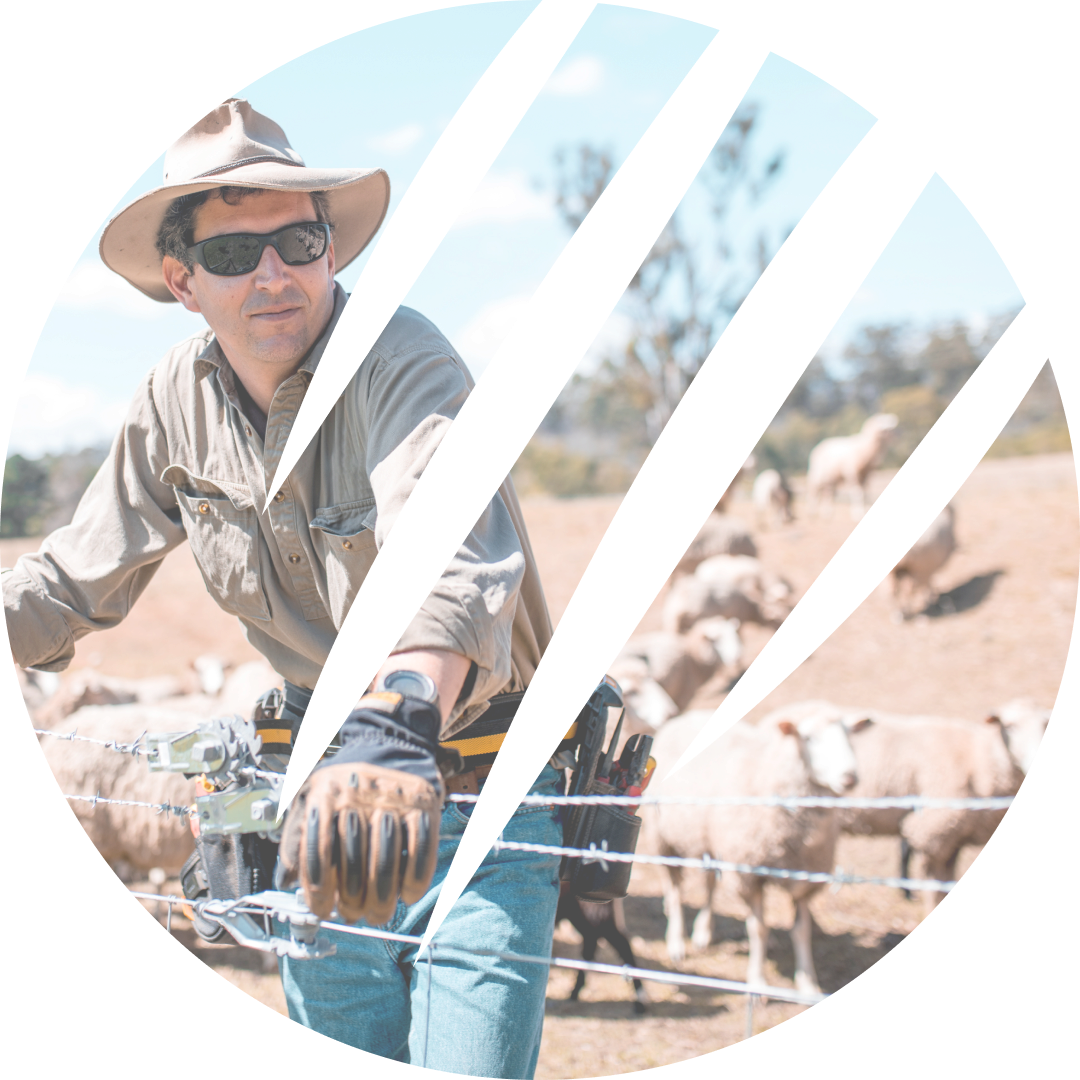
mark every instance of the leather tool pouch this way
{"type": "Point", "coordinates": [605, 828]}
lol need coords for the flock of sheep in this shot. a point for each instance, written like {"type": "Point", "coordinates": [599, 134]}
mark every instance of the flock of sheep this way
{"type": "Point", "coordinates": [808, 748]}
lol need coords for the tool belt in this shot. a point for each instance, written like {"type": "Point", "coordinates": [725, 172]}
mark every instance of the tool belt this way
{"type": "Point", "coordinates": [479, 743]}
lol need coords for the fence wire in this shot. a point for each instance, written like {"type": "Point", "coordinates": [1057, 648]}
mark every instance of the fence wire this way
{"type": "Point", "coordinates": [133, 748]}
{"type": "Point", "coordinates": [791, 802]}
{"type": "Point", "coordinates": [161, 808]}
{"type": "Point", "coordinates": [251, 905]}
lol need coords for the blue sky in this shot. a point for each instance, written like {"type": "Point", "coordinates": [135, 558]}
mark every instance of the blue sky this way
{"type": "Point", "coordinates": [382, 97]}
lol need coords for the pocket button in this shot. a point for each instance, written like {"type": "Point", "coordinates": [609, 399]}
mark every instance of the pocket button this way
{"type": "Point", "coordinates": [347, 545]}
{"type": "Point", "coordinates": [204, 508]}
{"type": "Point", "coordinates": [294, 559]}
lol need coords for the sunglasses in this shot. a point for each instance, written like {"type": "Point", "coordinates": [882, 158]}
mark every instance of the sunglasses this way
{"type": "Point", "coordinates": [239, 253]}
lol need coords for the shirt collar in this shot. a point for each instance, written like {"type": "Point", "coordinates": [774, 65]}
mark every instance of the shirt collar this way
{"type": "Point", "coordinates": [211, 358]}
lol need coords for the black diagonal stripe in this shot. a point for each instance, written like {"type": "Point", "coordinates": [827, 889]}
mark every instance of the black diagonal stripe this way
{"type": "Point", "coordinates": [433, 200]}
{"type": "Point", "coordinates": [718, 420]}
{"type": "Point", "coordinates": [923, 485]}
{"type": "Point", "coordinates": [547, 342]}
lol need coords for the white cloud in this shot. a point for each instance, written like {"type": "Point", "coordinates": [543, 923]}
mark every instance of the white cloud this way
{"type": "Point", "coordinates": [94, 287]}
{"type": "Point", "coordinates": [53, 415]}
{"type": "Point", "coordinates": [480, 338]}
{"type": "Point", "coordinates": [397, 141]}
{"type": "Point", "coordinates": [504, 198]}
{"type": "Point", "coordinates": [577, 77]}
{"type": "Point", "coordinates": [482, 335]}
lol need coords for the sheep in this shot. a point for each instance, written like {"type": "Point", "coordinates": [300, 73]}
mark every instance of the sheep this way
{"type": "Point", "coordinates": [732, 586]}
{"type": "Point", "coordinates": [1023, 724]}
{"type": "Point", "coordinates": [933, 756]}
{"type": "Point", "coordinates": [683, 663]}
{"type": "Point", "coordinates": [745, 469]}
{"type": "Point", "coordinates": [780, 755]}
{"type": "Point", "coordinates": [848, 459]}
{"type": "Point", "coordinates": [648, 704]}
{"type": "Point", "coordinates": [87, 686]}
{"type": "Point", "coordinates": [771, 496]}
{"type": "Point", "coordinates": [720, 535]}
{"type": "Point", "coordinates": [127, 837]}
{"type": "Point", "coordinates": [912, 589]}
{"type": "Point", "coordinates": [593, 922]}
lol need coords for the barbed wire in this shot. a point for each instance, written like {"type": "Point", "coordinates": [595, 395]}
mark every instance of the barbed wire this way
{"type": "Point", "coordinates": [594, 854]}
{"type": "Point", "coordinates": [251, 905]}
{"type": "Point", "coordinates": [161, 808]}
{"type": "Point", "coordinates": [133, 748]}
{"type": "Point", "coordinates": [792, 802]}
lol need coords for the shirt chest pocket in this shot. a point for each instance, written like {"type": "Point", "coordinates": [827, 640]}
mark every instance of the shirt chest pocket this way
{"type": "Point", "coordinates": [222, 527]}
{"type": "Point", "coordinates": [344, 540]}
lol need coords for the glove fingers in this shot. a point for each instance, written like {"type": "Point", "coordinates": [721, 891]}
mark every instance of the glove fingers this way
{"type": "Point", "coordinates": [353, 846]}
{"type": "Point", "coordinates": [383, 862]}
{"type": "Point", "coordinates": [318, 874]}
{"type": "Point", "coordinates": [421, 846]}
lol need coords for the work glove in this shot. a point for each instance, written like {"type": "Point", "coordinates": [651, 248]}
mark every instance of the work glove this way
{"type": "Point", "coordinates": [364, 828]}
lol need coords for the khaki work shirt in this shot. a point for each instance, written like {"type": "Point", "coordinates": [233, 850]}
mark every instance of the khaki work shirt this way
{"type": "Point", "coordinates": [189, 465]}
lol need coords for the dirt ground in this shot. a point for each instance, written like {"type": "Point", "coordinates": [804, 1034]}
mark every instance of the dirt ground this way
{"type": "Point", "coordinates": [1001, 631]}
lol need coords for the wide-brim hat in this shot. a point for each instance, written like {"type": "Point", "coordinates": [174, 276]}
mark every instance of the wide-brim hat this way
{"type": "Point", "coordinates": [237, 146]}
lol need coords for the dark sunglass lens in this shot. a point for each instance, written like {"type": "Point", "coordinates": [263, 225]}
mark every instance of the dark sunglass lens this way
{"type": "Point", "coordinates": [232, 254]}
{"type": "Point", "coordinates": [300, 244]}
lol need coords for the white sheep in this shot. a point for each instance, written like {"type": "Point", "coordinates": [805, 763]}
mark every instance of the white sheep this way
{"type": "Point", "coordinates": [1023, 724]}
{"type": "Point", "coordinates": [720, 535]}
{"type": "Point", "coordinates": [126, 836]}
{"type": "Point", "coordinates": [911, 577]}
{"type": "Point", "coordinates": [771, 496]}
{"type": "Point", "coordinates": [745, 470]}
{"type": "Point", "coordinates": [683, 663]}
{"type": "Point", "coordinates": [933, 756]}
{"type": "Point", "coordinates": [648, 704]}
{"type": "Point", "coordinates": [848, 459]}
{"type": "Point", "coordinates": [88, 686]}
{"type": "Point", "coordinates": [780, 755]}
{"type": "Point", "coordinates": [731, 586]}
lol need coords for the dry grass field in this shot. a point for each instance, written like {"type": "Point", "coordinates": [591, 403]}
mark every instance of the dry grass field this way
{"type": "Point", "coordinates": [1002, 632]}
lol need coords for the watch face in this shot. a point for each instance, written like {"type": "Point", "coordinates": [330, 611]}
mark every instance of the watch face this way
{"type": "Point", "coordinates": [412, 684]}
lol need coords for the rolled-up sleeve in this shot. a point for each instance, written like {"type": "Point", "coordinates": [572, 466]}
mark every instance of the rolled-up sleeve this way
{"type": "Point", "coordinates": [412, 397]}
{"type": "Point", "coordinates": [87, 575]}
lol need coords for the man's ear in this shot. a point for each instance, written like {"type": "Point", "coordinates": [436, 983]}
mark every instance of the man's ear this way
{"type": "Point", "coordinates": [178, 281]}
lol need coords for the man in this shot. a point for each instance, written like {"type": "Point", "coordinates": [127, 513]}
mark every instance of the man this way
{"type": "Point", "coordinates": [243, 233]}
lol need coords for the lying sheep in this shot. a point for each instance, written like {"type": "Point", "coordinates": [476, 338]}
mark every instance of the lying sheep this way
{"type": "Point", "coordinates": [848, 459]}
{"type": "Point", "coordinates": [683, 663]}
{"type": "Point", "coordinates": [912, 588]}
{"type": "Point", "coordinates": [771, 496]}
{"type": "Point", "coordinates": [129, 836]}
{"type": "Point", "coordinates": [720, 535]}
{"type": "Point", "coordinates": [731, 586]}
{"type": "Point", "coordinates": [780, 755]}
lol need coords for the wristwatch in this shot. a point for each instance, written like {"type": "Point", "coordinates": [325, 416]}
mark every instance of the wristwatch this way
{"type": "Point", "coordinates": [414, 684]}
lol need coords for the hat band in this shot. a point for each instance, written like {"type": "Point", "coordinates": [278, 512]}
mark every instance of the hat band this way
{"type": "Point", "coordinates": [248, 161]}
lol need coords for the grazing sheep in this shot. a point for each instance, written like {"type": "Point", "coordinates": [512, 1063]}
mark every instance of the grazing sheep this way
{"type": "Point", "coordinates": [720, 535]}
{"type": "Point", "coordinates": [648, 704]}
{"type": "Point", "coordinates": [912, 589]}
{"type": "Point", "coordinates": [848, 459]}
{"type": "Point", "coordinates": [683, 663]}
{"type": "Point", "coordinates": [771, 496]}
{"type": "Point", "coordinates": [593, 922]}
{"type": "Point", "coordinates": [781, 755]}
{"type": "Point", "coordinates": [745, 470]}
{"type": "Point", "coordinates": [732, 586]}
{"type": "Point", "coordinates": [127, 836]}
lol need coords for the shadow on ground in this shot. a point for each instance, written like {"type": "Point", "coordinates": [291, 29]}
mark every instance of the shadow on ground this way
{"type": "Point", "coordinates": [964, 597]}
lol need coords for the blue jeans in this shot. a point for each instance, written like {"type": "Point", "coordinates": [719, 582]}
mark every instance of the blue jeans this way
{"type": "Point", "coordinates": [486, 1014]}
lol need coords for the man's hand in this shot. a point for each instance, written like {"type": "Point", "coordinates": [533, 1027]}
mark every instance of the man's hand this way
{"type": "Point", "coordinates": [364, 828]}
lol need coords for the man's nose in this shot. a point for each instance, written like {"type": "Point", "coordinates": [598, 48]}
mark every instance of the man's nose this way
{"type": "Point", "coordinates": [272, 270]}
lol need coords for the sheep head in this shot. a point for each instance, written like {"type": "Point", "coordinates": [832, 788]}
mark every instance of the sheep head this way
{"type": "Point", "coordinates": [824, 745]}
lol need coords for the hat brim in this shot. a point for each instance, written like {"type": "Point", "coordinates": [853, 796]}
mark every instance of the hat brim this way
{"type": "Point", "coordinates": [358, 200]}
